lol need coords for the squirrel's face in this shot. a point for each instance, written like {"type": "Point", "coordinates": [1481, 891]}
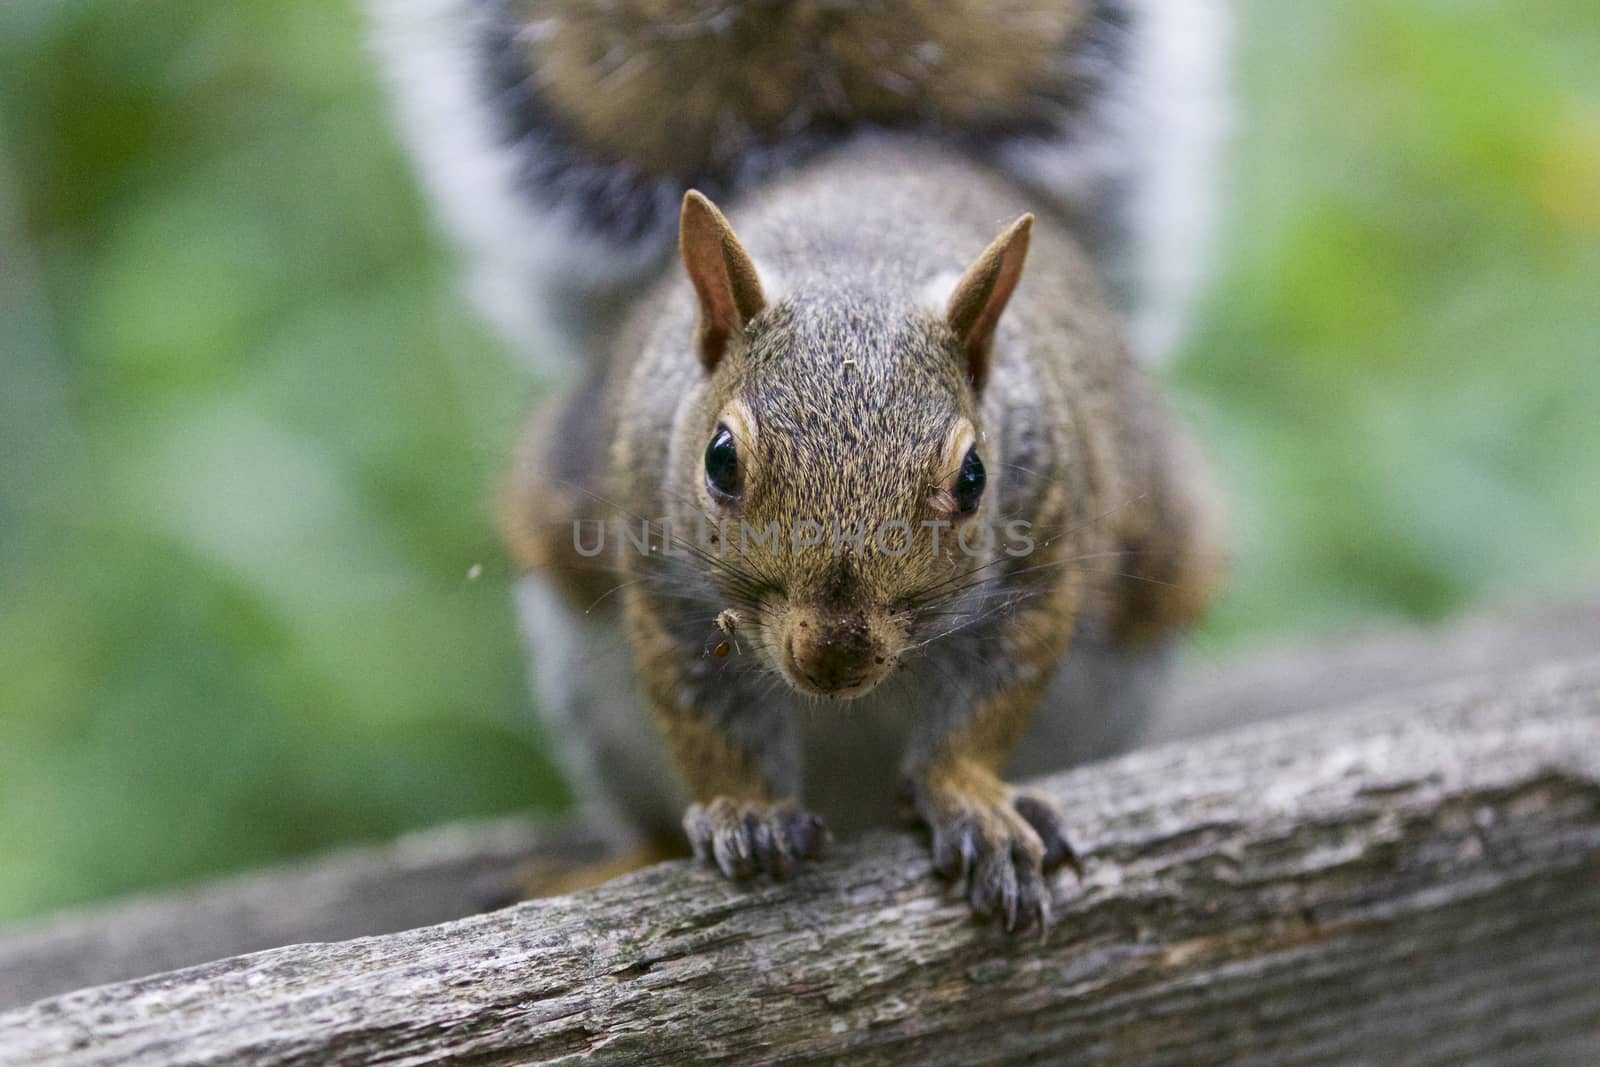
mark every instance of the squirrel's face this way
{"type": "Point", "coordinates": [841, 479]}
{"type": "Point", "coordinates": [841, 458]}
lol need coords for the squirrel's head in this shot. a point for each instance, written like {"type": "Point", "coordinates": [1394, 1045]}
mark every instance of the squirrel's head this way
{"type": "Point", "coordinates": [840, 451]}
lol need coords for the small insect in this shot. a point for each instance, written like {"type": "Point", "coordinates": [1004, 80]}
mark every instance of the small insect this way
{"type": "Point", "coordinates": [728, 623]}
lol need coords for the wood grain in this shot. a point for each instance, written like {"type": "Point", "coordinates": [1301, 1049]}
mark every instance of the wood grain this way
{"type": "Point", "coordinates": [1416, 879]}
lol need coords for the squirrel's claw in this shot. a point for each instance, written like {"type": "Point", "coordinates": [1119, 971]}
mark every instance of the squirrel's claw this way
{"type": "Point", "coordinates": [1048, 824]}
{"type": "Point", "coordinates": [745, 838]}
{"type": "Point", "coordinates": [1002, 852]}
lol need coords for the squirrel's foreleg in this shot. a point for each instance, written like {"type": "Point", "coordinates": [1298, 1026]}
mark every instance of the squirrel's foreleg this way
{"type": "Point", "coordinates": [1001, 844]}
{"type": "Point", "coordinates": [738, 760]}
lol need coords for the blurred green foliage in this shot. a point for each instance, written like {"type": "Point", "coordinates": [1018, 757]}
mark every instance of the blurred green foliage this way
{"type": "Point", "coordinates": [249, 436]}
{"type": "Point", "coordinates": [1399, 373]}
{"type": "Point", "coordinates": [249, 431]}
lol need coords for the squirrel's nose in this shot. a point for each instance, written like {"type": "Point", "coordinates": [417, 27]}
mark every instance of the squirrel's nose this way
{"type": "Point", "coordinates": [837, 656]}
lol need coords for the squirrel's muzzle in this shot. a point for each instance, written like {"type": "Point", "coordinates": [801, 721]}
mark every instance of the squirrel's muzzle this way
{"type": "Point", "coordinates": [835, 656]}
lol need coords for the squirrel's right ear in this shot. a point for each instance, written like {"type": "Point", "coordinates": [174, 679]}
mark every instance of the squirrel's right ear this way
{"type": "Point", "coordinates": [724, 277]}
{"type": "Point", "coordinates": [982, 294]}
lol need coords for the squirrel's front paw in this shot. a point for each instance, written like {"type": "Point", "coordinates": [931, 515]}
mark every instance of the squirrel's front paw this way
{"type": "Point", "coordinates": [746, 837]}
{"type": "Point", "coordinates": [1000, 844]}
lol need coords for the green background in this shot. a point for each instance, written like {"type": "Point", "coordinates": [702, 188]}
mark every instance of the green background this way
{"type": "Point", "coordinates": [249, 430]}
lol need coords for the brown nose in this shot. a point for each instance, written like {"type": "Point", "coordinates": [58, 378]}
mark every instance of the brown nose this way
{"type": "Point", "coordinates": [833, 656]}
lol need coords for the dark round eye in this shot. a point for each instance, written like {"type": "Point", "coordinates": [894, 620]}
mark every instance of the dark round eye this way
{"type": "Point", "coordinates": [969, 483]}
{"type": "Point", "coordinates": [722, 464]}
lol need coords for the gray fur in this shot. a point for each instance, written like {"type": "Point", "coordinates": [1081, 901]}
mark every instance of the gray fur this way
{"type": "Point", "coordinates": [859, 237]}
{"type": "Point", "coordinates": [857, 382]}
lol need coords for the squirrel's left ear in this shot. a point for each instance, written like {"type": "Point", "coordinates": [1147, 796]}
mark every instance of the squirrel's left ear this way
{"type": "Point", "coordinates": [982, 293]}
{"type": "Point", "coordinates": [724, 278]}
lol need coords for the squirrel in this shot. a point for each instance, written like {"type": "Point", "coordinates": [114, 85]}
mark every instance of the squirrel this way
{"type": "Point", "coordinates": [894, 514]}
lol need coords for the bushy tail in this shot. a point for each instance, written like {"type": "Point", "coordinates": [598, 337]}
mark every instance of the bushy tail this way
{"type": "Point", "coordinates": [557, 136]}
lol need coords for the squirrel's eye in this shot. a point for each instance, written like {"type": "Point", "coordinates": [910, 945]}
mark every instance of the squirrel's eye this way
{"type": "Point", "coordinates": [969, 483]}
{"type": "Point", "coordinates": [722, 464]}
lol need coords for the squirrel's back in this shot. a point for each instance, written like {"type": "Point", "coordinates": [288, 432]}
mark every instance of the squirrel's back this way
{"type": "Point", "coordinates": [558, 136]}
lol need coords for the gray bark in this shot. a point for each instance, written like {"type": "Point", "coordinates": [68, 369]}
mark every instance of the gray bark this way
{"type": "Point", "coordinates": [418, 880]}
{"type": "Point", "coordinates": [1413, 879]}
{"type": "Point", "coordinates": [456, 871]}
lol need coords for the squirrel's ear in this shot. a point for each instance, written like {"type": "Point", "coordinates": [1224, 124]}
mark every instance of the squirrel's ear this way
{"type": "Point", "coordinates": [724, 278]}
{"type": "Point", "coordinates": [982, 293]}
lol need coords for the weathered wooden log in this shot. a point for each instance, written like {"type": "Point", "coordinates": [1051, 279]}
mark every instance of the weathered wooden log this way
{"type": "Point", "coordinates": [456, 871]}
{"type": "Point", "coordinates": [418, 880]}
{"type": "Point", "coordinates": [1416, 879]}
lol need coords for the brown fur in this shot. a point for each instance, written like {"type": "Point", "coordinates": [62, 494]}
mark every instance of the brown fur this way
{"type": "Point", "coordinates": [745, 74]}
{"type": "Point", "coordinates": [982, 294]}
{"type": "Point", "coordinates": [712, 766]}
{"type": "Point", "coordinates": [724, 279]}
